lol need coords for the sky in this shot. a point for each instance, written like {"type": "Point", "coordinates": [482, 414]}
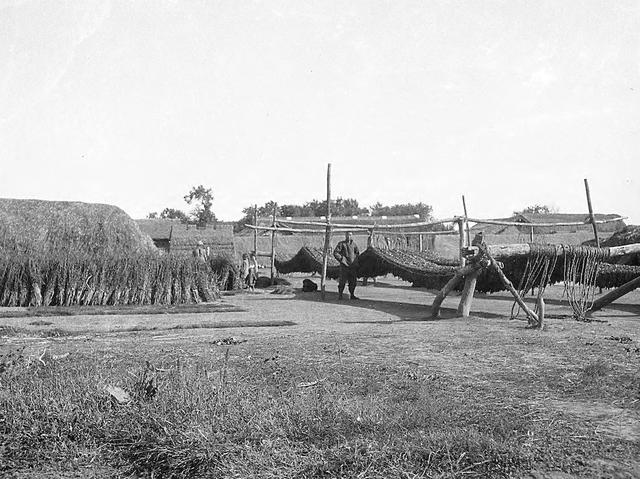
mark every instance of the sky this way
{"type": "Point", "coordinates": [510, 103]}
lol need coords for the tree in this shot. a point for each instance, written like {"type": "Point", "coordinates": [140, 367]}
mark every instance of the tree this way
{"type": "Point", "coordinates": [203, 200]}
{"type": "Point", "coordinates": [173, 214]}
{"type": "Point", "coordinates": [425, 211]}
{"type": "Point", "coordinates": [537, 210]}
{"type": "Point", "coordinates": [153, 215]}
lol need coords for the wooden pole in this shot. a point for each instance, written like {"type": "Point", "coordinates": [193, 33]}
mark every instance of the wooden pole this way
{"type": "Point", "coordinates": [273, 243]}
{"type": "Point", "coordinates": [255, 232]}
{"type": "Point", "coordinates": [466, 221]}
{"type": "Point", "coordinates": [451, 284]}
{"type": "Point", "coordinates": [327, 236]}
{"type": "Point", "coordinates": [533, 317]}
{"type": "Point", "coordinates": [460, 222]}
{"type": "Point", "coordinates": [499, 251]}
{"type": "Point", "coordinates": [466, 299]}
{"type": "Point", "coordinates": [531, 234]}
{"type": "Point", "coordinates": [420, 243]}
{"type": "Point", "coordinates": [591, 215]}
{"type": "Point", "coordinates": [611, 296]}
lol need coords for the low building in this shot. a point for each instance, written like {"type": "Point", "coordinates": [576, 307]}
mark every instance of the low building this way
{"type": "Point", "coordinates": [175, 237]}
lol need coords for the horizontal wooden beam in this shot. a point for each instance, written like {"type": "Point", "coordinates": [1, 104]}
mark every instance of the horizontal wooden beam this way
{"type": "Point", "coordinates": [524, 249]}
{"type": "Point", "coordinates": [301, 230]}
{"type": "Point", "coordinates": [344, 230]}
{"type": "Point", "coordinates": [369, 226]}
{"type": "Point", "coordinates": [414, 233]}
{"type": "Point", "coordinates": [535, 225]}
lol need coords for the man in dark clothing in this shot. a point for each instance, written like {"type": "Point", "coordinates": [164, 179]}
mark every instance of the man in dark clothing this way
{"type": "Point", "coordinates": [346, 252]}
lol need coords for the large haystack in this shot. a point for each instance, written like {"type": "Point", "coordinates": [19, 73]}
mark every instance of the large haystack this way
{"type": "Point", "coordinates": [37, 226]}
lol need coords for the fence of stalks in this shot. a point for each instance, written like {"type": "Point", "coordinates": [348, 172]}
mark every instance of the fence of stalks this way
{"type": "Point", "coordinates": [65, 279]}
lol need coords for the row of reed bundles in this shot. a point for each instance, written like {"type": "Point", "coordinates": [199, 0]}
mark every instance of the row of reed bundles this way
{"type": "Point", "coordinates": [136, 279]}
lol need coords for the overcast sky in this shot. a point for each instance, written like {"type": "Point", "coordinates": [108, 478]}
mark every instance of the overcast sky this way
{"type": "Point", "coordinates": [507, 102]}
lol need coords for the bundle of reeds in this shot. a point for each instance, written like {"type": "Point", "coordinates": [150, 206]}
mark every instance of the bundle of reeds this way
{"type": "Point", "coordinates": [228, 272]}
{"type": "Point", "coordinates": [40, 280]}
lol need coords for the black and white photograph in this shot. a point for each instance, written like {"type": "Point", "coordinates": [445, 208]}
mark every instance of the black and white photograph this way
{"type": "Point", "coordinates": [364, 239]}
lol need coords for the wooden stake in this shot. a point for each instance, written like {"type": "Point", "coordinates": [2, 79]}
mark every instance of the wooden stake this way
{"type": "Point", "coordinates": [420, 243]}
{"type": "Point", "coordinates": [255, 232]}
{"type": "Point", "coordinates": [460, 222]}
{"type": "Point", "coordinates": [533, 317]}
{"type": "Point", "coordinates": [327, 236]}
{"type": "Point", "coordinates": [273, 243]}
{"type": "Point", "coordinates": [591, 215]}
{"type": "Point", "coordinates": [466, 221]}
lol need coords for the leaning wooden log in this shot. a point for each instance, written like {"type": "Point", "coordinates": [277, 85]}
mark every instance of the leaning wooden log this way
{"type": "Point", "coordinates": [525, 249]}
{"type": "Point", "coordinates": [451, 284]}
{"type": "Point", "coordinates": [611, 296]}
{"type": "Point", "coordinates": [533, 317]}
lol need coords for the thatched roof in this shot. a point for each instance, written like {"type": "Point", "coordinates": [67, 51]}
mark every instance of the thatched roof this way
{"type": "Point", "coordinates": [184, 238]}
{"type": "Point", "coordinates": [65, 226]}
{"type": "Point", "coordinates": [157, 229]}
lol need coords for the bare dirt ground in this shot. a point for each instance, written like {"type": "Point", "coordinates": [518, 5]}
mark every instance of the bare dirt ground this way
{"type": "Point", "coordinates": [581, 378]}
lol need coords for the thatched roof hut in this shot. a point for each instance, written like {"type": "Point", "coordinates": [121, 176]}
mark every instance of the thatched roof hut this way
{"type": "Point", "coordinates": [38, 226]}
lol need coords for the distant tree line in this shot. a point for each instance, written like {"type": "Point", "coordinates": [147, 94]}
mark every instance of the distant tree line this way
{"type": "Point", "coordinates": [339, 207]}
{"type": "Point", "coordinates": [202, 200]}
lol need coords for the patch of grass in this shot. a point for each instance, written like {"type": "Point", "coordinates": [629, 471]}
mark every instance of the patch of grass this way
{"type": "Point", "coordinates": [594, 371]}
{"type": "Point", "coordinates": [12, 331]}
{"type": "Point", "coordinates": [225, 417]}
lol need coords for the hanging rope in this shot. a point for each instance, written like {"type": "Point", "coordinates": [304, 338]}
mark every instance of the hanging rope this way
{"type": "Point", "coordinates": [537, 273]}
{"type": "Point", "coordinates": [581, 266]}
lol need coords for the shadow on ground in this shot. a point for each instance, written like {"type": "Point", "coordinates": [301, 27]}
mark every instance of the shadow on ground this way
{"type": "Point", "coordinates": [404, 311]}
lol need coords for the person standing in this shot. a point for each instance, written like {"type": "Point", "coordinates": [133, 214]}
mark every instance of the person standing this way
{"type": "Point", "coordinates": [244, 270]}
{"type": "Point", "coordinates": [346, 252]}
{"type": "Point", "coordinates": [200, 252]}
{"type": "Point", "coordinates": [253, 271]}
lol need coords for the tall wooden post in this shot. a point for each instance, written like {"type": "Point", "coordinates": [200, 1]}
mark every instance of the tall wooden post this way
{"type": "Point", "coordinates": [255, 231]}
{"type": "Point", "coordinates": [420, 243]}
{"type": "Point", "coordinates": [466, 222]}
{"type": "Point", "coordinates": [273, 243]}
{"type": "Point", "coordinates": [591, 216]}
{"type": "Point", "coordinates": [460, 222]}
{"type": "Point", "coordinates": [327, 236]}
{"type": "Point", "coordinates": [531, 234]}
